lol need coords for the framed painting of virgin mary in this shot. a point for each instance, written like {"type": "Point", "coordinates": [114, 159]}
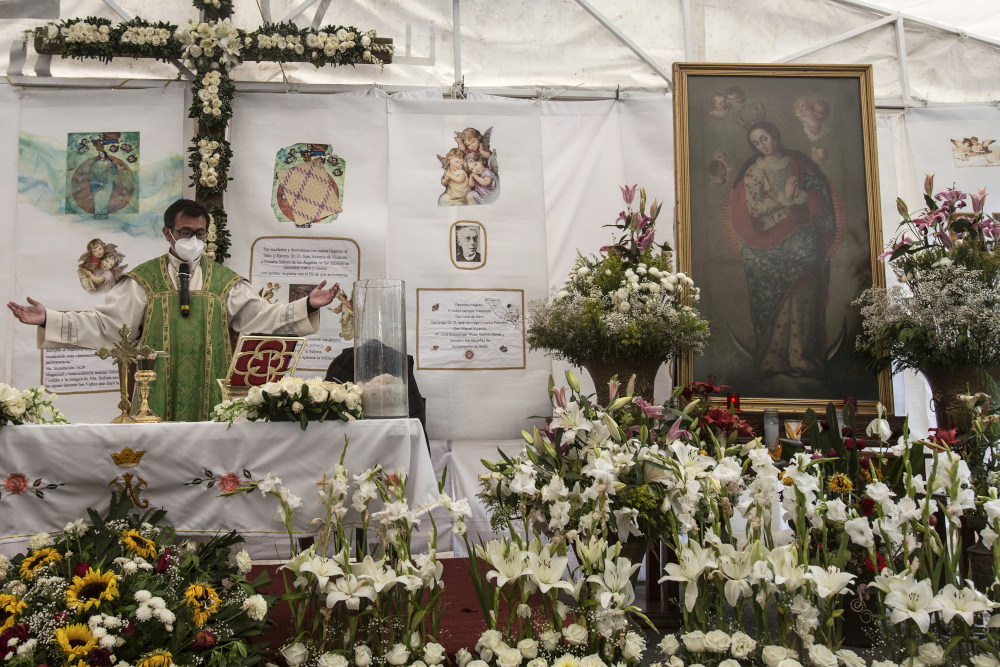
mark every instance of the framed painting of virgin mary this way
{"type": "Point", "coordinates": [778, 223]}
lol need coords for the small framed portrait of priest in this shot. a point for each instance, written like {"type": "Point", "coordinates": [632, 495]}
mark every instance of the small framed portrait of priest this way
{"type": "Point", "coordinates": [467, 244]}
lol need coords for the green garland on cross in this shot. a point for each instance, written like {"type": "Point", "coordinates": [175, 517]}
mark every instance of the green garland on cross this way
{"type": "Point", "coordinates": [211, 48]}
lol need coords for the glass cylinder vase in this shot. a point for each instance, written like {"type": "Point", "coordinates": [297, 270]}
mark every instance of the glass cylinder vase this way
{"type": "Point", "coordinates": [380, 347]}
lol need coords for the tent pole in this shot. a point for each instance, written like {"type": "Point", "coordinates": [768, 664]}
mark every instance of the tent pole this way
{"type": "Point", "coordinates": [295, 12]}
{"type": "Point", "coordinates": [688, 48]}
{"type": "Point", "coordinates": [839, 38]}
{"type": "Point", "coordinates": [456, 21]}
{"type": "Point", "coordinates": [624, 39]}
{"type": "Point", "coordinates": [904, 72]}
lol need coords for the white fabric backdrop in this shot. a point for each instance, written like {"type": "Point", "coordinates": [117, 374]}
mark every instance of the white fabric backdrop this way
{"type": "Point", "coordinates": [49, 242]}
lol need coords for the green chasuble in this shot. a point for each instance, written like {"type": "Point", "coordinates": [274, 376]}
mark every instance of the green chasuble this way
{"type": "Point", "coordinates": [185, 388]}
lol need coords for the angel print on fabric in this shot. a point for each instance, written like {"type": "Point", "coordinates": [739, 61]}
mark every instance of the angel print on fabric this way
{"type": "Point", "coordinates": [470, 170]}
{"type": "Point", "coordinates": [971, 152]}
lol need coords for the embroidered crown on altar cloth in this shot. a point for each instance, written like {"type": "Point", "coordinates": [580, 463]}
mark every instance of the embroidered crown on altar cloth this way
{"type": "Point", "coordinates": [127, 458]}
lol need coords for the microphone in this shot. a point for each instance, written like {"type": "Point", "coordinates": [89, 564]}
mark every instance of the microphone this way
{"type": "Point", "coordinates": [184, 277]}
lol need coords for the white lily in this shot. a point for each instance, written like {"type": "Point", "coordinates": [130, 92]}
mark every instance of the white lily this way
{"type": "Point", "coordinates": [879, 426]}
{"type": "Point", "coordinates": [323, 569]}
{"type": "Point", "coordinates": [508, 568]}
{"type": "Point", "coordinates": [614, 583]}
{"type": "Point", "coordinates": [829, 581]}
{"type": "Point", "coordinates": [964, 603]}
{"type": "Point", "coordinates": [914, 600]}
{"type": "Point", "coordinates": [693, 560]}
{"type": "Point", "coordinates": [350, 590]}
{"type": "Point", "coordinates": [735, 566]}
{"type": "Point", "coordinates": [547, 571]}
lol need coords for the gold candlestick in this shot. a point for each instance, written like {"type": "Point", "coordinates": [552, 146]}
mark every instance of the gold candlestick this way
{"type": "Point", "coordinates": [124, 353]}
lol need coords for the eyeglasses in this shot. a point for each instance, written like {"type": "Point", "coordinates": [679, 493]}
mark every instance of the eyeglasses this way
{"type": "Point", "coordinates": [185, 233]}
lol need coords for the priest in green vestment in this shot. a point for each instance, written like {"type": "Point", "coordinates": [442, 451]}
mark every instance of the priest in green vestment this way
{"type": "Point", "coordinates": [147, 299]}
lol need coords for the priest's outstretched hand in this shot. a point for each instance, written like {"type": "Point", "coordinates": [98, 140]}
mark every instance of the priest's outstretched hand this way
{"type": "Point", "coordinates": [35, 313]}
{"type": "Point", "coordinates": [318, 298]}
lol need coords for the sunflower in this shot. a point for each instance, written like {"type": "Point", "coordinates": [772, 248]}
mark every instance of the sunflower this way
{"type": "Point", "coordinates": [203, 601]}
{"type": "Point", "coordinates": [158, 660]}
{"type": "Point", "coordinates": [89, 591]}
{"type": "Point", "coordinates": [867, 474]}
{"type": "Point", "coordinates": [10, 607]}
{"type": "Point", "coordinates": [839, 483]}
{"type": "Point", "coordinates": [75, 640]}
{"type": "Point", "coordinates": [32, 565]}
{"type": "Point", "coordinates": [139, 545]}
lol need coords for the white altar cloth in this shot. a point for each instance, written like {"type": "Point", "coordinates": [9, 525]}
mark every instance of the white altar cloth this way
{"type": "Point", "coordinates": [79, 458]}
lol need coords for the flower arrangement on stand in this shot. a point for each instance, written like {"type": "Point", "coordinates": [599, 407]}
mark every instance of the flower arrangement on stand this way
{"type": "Point", "coordinates": [30, 406]}
{"type": "Point", "coordinates": [294, 399]}
{"type": "Point", "coordinates": [625, 311]}
{"type": "Point", "coordinates": [940, 319]}
{"type": "Point", "coordinates": [356, 604]}
{"type": "Point", "coordinates": [119, 592]}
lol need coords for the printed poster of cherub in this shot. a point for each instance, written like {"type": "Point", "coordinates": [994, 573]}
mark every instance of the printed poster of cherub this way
{"type": "Point", "coordinates": [100, 266]}
{"type": "Point", "coordinates": [471, 175]}
{"type": "Point", "coordinates": [102, 173]}
{"type": "Point", "coordinates": [308, 184]}
{"type": "Point", "coordinates": [971, 152]}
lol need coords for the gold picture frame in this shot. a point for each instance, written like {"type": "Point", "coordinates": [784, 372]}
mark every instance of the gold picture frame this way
{"type": "Point", "coordinates": [779, 265]}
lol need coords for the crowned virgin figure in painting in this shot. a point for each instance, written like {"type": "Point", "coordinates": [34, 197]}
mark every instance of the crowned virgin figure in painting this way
{"type": "Point", "coordinates": [783, 219]}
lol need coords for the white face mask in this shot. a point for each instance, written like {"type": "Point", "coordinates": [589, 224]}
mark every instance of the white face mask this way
{"type": "Point", "coordinates": [190, 249]}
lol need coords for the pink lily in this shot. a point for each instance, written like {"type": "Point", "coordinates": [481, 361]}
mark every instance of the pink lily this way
{"type": "Point", "coordinates": [928, 183]}
{"type": "Point", "coordinates": [945, 239]}
{"type": "Point", "coordinates": [978, 200]}
{"type": "Point", "coordinates": [954, 197]}
{"type": "Point", "coordinates": [628, 193]}
{"type": "Point", "coordinates": [560, 397]}
{"type": "Point", "coordinates": [613, 390]}
{"type": "Point", "coordinates": [645, 240]}
{"type": "Point", "coordinates": [630, 388]}
{"type": "Point", "coordinates": [676, 431]}
{"type": "Point", "coordinates": [904, 240]}
{"type": "Point", "coordinates": [988, 225]}
{"type": "Point", "coordinates": [652, 411]}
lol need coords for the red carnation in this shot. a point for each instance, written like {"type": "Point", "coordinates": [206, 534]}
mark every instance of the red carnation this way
{"type": "Point", "coordinates": [849, 444]}
{"type": "Point", "coordinates": [867, 506]}
{"type": "Point", "coordinates": [204, 640]}
{"type": "Point", "coordinates": [81, 569]}
{"type": "Point", "coordinates": [879, 560]}
{"type": "Point", "coordinates": [164, 561]}
{"type": "Point", "coordinates": [861, 444]}
{"type": "Point", "coordinates": [847, 431]}
{"type": "Point", "coordinates": [99, 657]}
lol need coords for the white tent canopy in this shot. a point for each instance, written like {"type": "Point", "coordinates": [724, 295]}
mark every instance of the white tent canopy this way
{"type": "Point", "coordinates": [922, 50]}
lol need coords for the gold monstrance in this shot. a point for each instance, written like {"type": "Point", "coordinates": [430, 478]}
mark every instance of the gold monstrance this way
{"type": "Point", "coordinates": [124, 354]}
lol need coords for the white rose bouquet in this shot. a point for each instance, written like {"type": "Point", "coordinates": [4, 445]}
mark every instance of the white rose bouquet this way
{"type": "Point", "coordinates": [28, 407]}
{"type": "Point", "coordinates": [294, 399]}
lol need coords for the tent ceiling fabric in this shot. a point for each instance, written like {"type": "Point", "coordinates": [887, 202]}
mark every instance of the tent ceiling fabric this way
{"type": "Point", "coordinates": [557, 44]}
